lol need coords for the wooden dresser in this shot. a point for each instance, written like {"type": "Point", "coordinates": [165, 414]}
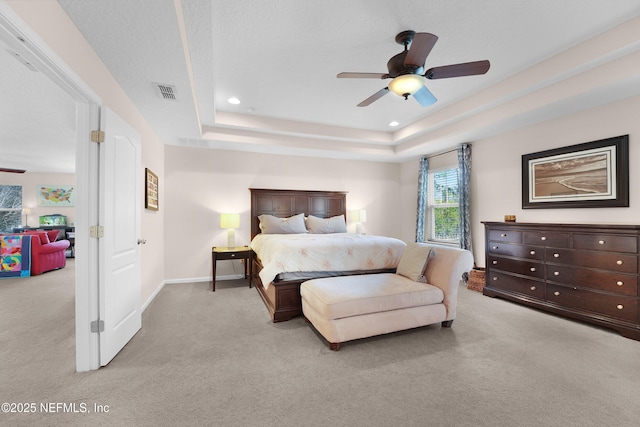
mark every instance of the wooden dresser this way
{"type": "Point", "coordinates": [583, 271]}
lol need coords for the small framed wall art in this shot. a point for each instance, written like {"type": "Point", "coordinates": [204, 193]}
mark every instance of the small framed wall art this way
{"type": "Point", "coordinates": [150, 190]}
{"type": "Point", "coordinates": [590, 175]}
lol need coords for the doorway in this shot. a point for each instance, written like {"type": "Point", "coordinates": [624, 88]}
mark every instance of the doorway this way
{"type": "Point", "coordinates": [23, 42]}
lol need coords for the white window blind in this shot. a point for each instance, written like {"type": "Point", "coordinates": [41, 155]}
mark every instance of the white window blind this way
{"type": "Point", "coordinates": [443, 221]}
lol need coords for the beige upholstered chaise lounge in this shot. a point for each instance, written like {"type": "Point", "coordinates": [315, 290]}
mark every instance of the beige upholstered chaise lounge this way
{"type": "Point", "coordinates": [423, 291]}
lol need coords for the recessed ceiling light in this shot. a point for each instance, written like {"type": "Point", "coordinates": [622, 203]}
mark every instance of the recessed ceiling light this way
{"type": "Point", "coordinates": [234, 101]}
{"type": "Point", "coordinates": [394, 123]}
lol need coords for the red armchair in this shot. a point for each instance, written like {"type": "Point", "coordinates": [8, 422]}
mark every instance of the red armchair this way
{"type": "Point", "coordinates": [47, 256]}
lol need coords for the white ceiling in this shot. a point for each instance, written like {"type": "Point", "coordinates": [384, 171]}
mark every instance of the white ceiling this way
{"type": "Point", "coordinates": [281, 57]}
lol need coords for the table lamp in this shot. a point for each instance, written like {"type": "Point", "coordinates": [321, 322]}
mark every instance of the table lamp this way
{"type": "Point", "coordinates": [230, 221]}
{"type": "Point", "coordinates": [26, 212]}
{"type": "Point", "coordinates": [359, 217]}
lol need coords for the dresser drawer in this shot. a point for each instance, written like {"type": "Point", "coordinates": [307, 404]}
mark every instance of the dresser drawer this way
{"type": "Point", "coordinates": [526, 268]}
{"type": "Point", "coordinates": [620, 307]}
{"type": "Point", "coordinates": [620, 283]}
{"type": "Point", "coordinates": [622, 263]}
{"type": "Point", "coordinates": [519, 251]}
{"type": "Point", "coordinates": [505, 236]}
{"type": "Point", "coordinates": [606, 242]}
{"type": "Point", "coordinates": [530, 287]}
{"type": "Point", "coordinates": [545, 238]}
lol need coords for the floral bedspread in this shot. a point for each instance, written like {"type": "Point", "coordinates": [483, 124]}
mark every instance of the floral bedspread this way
{"type": "Point", "coordinates": [281, 253]}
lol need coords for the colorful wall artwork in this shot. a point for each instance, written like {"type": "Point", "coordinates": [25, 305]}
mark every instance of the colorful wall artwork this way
{"type": "Point", "coordinates": [56, 195]}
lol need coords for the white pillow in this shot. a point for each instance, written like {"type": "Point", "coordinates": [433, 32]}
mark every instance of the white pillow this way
{"type": "Point", "coordinates": [270, 224]}
{"type": "Point", "coordinates": [414, 261]}
{"type": "Point", "coordinates": [335, 224]}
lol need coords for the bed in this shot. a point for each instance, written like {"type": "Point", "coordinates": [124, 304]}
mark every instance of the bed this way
{"type": "Point", "coordinates": [279, 287]}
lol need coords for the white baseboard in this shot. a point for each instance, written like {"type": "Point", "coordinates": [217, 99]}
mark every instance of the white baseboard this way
{"type": "Point", "coordinates": [189, 280]}
{"type": "Point", "coordinates": [153, 295]}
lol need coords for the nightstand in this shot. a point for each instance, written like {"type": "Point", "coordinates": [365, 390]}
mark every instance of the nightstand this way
{"type": "Point", "coordinates": [224, 253]}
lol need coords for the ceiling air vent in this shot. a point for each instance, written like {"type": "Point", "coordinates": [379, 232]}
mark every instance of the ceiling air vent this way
{"type": "Point", "coordinates": [165, 91]}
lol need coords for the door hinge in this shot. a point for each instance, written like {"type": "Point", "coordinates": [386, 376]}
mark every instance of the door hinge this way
{"type": "Point", "coordinates": [96, 231]}
{"type": "Point", "coordinates": [97, 136]}
{"type": "Point", "coordinates": [97, 326]}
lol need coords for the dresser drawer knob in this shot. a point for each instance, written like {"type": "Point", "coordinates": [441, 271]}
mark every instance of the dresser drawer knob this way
{"type": "Point", "coordinates": [601, 242]}
{"type": "Point", "coordinates": [619, 283]}
{"type": "Point", "coordinates": [494, 248]}
{"type": "Point", "coordinates": [556, 273]}
{"type": "Point", "coordinates": [233, 255]}
{"type": "Point", "coordinates": [532, 252]}
{"type": "Point", "coordinates": [495, 262]}
{"type": "Point", "coordinates": [504, 235]}
{"type": "Point", "coordinates": [532, 269]}
{"type": "Point", "coordinates": [495, 278]}
{"type": "Point", "coordinates": [620, 306]}
{"type": "Point", "coordinates": [556, 293]}
{"type": "Point", "coordinates": [556, 255]}
{"type": "Point", "coordinates": [619, 262]}
{"type": "Point", "coordinates": [533, 288]}
{"type": "Point", "coordinates": [543, 238]}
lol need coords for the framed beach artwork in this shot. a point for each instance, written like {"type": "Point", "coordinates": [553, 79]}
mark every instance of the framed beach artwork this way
{"type": "Point", "coordinates": [593, 174]}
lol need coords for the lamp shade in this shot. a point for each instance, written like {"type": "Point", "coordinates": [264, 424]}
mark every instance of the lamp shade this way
{"type": "Point", "coordinates": [406, 84]}
{"type": "Point", "coordinates": [358, 215]}
{"type": "Point", "coordinates": [362, 214]}
{"type": "Point", "coordinates": [229, 220]}
{"type": "Point", "coordinates": [26, 211]}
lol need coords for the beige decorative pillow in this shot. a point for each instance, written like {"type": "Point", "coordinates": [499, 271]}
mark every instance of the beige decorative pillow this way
{"type": "Point", "coordinates": [335, 224]}
{"type": "Point", "coordinates": [414, 261]}
{"type": "Point", "coordinates": [270, 224]}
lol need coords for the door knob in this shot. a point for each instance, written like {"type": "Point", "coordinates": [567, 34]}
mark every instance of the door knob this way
{"type": "Point", "coordinates": [142, 241]}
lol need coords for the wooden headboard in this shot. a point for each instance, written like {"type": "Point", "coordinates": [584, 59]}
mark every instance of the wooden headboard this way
{"type": "Point", "coordinates": [285, 203]}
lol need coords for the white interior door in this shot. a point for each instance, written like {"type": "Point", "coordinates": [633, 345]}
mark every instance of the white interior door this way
{"type": "Point", "coordinates": [119, 212]}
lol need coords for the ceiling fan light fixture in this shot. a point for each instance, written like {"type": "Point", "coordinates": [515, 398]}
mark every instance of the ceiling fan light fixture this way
{"type": "Point", "coordinates": [406, 84]}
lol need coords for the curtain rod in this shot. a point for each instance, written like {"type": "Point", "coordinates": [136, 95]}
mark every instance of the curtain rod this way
{"type": "Point", "coordinates": [440, 153]}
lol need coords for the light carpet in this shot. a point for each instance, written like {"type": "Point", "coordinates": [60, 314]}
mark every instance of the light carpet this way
{"type": "Point", "coordinates": [215, 359]}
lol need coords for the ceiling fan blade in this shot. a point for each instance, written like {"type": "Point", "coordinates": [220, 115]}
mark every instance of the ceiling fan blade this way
{"type": "Point", "coordinates": [425, 97]}
{"type": "Point", "coordinates": [458, 70]}
{"type": "Point", "coordinates": [12, 170]}
{"type": "Point", "coordinates": [420, 48]}
{"type": "Point", "coordinates": [362, 76]}
{"type": "Point", "coordinates": [379, 94]}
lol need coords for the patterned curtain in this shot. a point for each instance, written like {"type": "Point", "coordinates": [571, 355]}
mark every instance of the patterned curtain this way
{"type": "Point", "coordinates": [423, 175]}
{"type": "Point", "coordinates": [464, 190]}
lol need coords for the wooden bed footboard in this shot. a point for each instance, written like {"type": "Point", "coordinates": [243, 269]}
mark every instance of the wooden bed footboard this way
{"type": "Point", "coordinates": [281, 298]}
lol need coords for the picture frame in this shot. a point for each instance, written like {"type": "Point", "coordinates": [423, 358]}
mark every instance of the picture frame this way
{"type": "Point", "coordinates": [151, 190]}
{"type": "Point", "coordinates": [56, 195]}
{"type": "Point", "coordinates": [589, 175]}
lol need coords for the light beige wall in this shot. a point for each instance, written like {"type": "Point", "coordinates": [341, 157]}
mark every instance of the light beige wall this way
{"type": "Point", "coordinates": [30, 183]}
{"type": "Point", "coordinates": [497, 187]}
{"type": "Point", "coordinates": [496, 170]}
{"type": "Point", "coordinates": [201, 183]}
{"type": "Point", "coordinates": [48, 20]}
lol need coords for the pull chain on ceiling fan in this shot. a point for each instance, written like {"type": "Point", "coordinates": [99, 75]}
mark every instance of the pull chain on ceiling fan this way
{"type": "Point", "coordinates": [407, 70]}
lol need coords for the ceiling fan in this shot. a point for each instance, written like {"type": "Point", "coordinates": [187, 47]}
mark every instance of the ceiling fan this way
{"type": "Point", "coordinates": [407, 70]}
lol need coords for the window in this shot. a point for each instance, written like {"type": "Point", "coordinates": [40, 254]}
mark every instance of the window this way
{"type": "Point", "coordinates": [443, 220]}
{"type": "Point", "coordinates": [10, 207]}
